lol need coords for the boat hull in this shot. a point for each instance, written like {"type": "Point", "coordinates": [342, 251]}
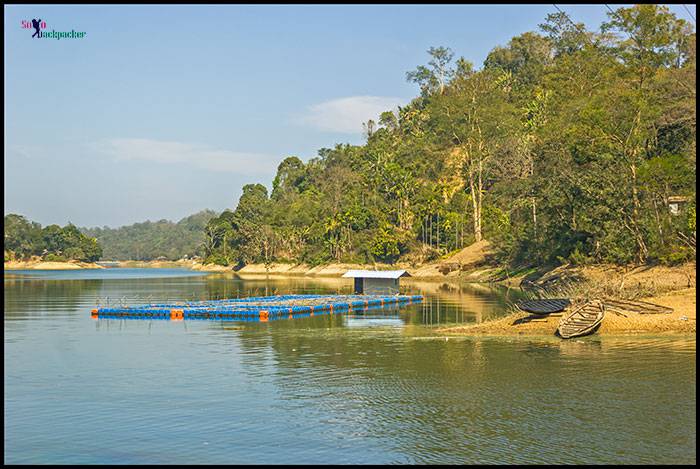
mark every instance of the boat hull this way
{"type": "Point", "coordinates": [582, 321]}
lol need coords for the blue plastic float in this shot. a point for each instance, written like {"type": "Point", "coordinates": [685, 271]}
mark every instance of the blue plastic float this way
{"type": "Point", "coordinates": [260, 308]}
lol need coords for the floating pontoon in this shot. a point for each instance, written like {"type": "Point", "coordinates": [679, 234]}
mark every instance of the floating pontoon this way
{"type": "Point", "coordinates": [262, 308]}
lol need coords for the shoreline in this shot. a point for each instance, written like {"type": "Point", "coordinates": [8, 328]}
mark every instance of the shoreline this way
{"type": "Point", "coordinates": [471, 264]}
{"type": "Point", "coordinates": [521, 324]}
{"type": "Point", "coordinates": [674, 287]}
{"type": "Point", "coordinates": [649, 279]}
{"type": "Point", "coordinates": [424, 272]}
{"type": "Point", "coordinates": [251, 270]}
{"type": "Point", "coordinates": [50, 265]}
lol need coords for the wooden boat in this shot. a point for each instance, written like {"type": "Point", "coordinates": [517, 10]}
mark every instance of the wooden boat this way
{"type": "Point", "coordinates": [582, 320]}
{"type": "Point", "coordinates": [544, 306]}
{"type": "Point", "coordinates": [640, 307]}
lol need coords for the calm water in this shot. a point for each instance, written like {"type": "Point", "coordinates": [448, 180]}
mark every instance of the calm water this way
{"type": "Point", "coordinates": [378, 388]}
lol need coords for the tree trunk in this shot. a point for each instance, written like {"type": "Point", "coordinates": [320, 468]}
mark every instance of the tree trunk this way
{"type": "Point", "coordinates": [430, 229]}
{"type": "Point", "coordinates": [456, 231]}
{"type": "Point", "coordinates": [534, 216]}
{"type": "Point", "coordinates": [476, 211]}
{"type": "Point", "coordinates": [438, 231]}
{"type": "Point", "coordinates": [641, 245]}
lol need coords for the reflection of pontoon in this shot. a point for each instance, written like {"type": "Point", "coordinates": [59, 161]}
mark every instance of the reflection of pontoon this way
{"type": "Point", "coordinates": [373, 321]}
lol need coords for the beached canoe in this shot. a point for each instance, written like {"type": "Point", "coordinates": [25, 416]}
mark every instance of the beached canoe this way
{"type": "Point", "coordinates": [544, 306]}
{"type": "Point", "coordinates": [636, 306]}
{"type": "Point", "coordinates": [582, 321]}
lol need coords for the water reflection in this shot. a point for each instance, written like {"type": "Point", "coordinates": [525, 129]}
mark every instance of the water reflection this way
{"type": "Point", "coordinates": [380, 387]}
{"type": "Point", "coordinates": [446, 303]}
{"type": "Point", "coordinates": [25, 299]}
{"type": "Point", "coordinates": [460, 401]}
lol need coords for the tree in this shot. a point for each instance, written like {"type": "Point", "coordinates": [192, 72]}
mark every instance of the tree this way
{"type": "Point", "coordinates": [290, 176]}
{"type": "Point", "coordinates": [474, 121]}
{"type": "Point", "coordinates": [565, 36]}
{"type": "Point", "coordinates": [651, 37]}
{"type": "Point", "coordinates": [526, 57]}
{"type": "Point", "coordinates": [435, 78]}
{"type": "Point", "coordinates": [22, 237]}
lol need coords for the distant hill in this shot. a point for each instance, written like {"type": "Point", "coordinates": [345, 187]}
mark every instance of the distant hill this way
{"type": "Point", "coordinates": [152, 240]}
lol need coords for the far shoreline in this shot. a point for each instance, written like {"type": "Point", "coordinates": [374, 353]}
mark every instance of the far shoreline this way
{"type": "Point", "coordinates": [669, 286]}
{"type": "Point", "coordinates": [50, 265]}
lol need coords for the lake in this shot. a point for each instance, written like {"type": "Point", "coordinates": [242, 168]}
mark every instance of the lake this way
{"type": "Point", "coordinates": [380, 387]}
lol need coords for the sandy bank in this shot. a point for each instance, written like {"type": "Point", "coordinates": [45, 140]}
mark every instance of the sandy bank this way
{"type": "Point", "coordinates": [206, 267]}
{"type": "Point", "coordinates": [469, 264]}
{"type": "Point", "coordinates": [327, 270]}
{"type": "Point", "coordinates": [179, 264]}
{"type": "Point", "coordinates": [681, 321]}
{"type": "Point", "coordinates": [45, 265]}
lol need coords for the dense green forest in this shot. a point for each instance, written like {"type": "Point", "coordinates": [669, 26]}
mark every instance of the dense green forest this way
{"type": "Point", "coordinates": [567, 145]}
{"type": "Point", "coordinates": [154, 240]}
{"type": "Point", "coordinates": [140, 241]}
{"type": "Point", "coordinates": [24, 239]}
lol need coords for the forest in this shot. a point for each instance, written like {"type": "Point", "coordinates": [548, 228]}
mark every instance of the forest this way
{"type": "Point", "coordinates": [25, 239]}
{"type": "Point", "coordinates": [146, 241]}
{"type": "Point", "coordinates": [566, 145]}
{"type": "Point", "coordinates": [149, 240]}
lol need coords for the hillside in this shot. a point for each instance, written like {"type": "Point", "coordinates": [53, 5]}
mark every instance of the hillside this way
{"type": "Point", "coordinates": [152, 240]}
{"type": "Point", "coordinates": [571, 144]}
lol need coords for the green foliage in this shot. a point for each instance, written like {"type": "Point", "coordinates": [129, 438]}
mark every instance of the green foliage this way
{"type": "Point", "coordinates": [152, 240]}
{"type": "Point", "coordinates": [386, 245]}
{"type": "Point", "coordinates": [564, 147]}
{"type": "Point", "coordinates": [24, 239]}
{"type": "Point", "coordinates": [526, 57]}
{"type": "Point", "coordinates": [690, 217]}
{"type": "Point", "coordinates": [54, 258]}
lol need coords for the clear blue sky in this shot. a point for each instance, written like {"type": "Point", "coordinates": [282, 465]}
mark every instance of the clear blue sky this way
{"type": "Point", "coordinates": [162, 111]}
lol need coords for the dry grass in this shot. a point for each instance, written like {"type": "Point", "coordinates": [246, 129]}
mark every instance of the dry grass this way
{"type": "Point", "coordinates": [673, 287]}
{"type": "Point", "coordinates": [627, 283]}
{"type": "Point", "coordinates": [681, 321]}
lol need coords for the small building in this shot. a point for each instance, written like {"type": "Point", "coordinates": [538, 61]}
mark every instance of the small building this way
{"type": "Point", "coordinates": [376, 282]}
{"type": "Point", "coordinates": [676, 203]}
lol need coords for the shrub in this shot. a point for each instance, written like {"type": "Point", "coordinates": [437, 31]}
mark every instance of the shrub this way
{"type": "Point", "coordinates": [51, 257]}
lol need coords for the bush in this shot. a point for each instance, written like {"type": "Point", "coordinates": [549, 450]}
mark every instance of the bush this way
{"type": "Point", "coordinates": [74, 253]}
{"type": "Point", "coordinates": [217, 259]}
{"type": "Point", "coordinates": [388, 244]}
{"type": "Point", "coordinates": [51, 257]}
{"type": "Point", "coordinates": [679, 256]}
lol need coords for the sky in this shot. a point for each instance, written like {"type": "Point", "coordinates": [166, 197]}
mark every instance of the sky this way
{"type": "Point", "coordinates": [161, 111]}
